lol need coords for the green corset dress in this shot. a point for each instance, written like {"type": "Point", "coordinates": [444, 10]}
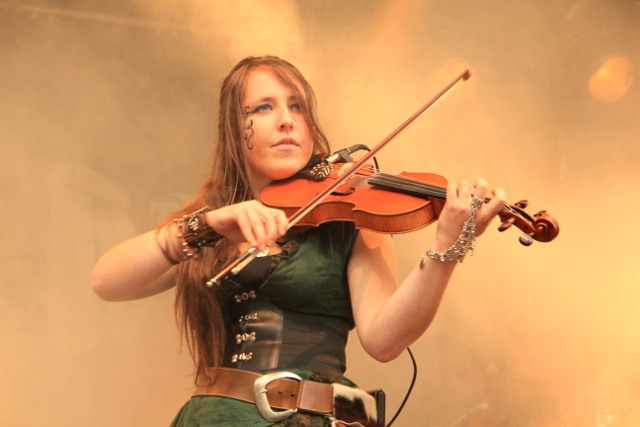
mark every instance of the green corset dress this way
{"type": "Point", "coordinates": [309, 277]}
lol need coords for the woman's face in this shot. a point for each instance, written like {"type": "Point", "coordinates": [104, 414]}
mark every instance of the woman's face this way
{"type": "Point", "coordinates": [277, 142]}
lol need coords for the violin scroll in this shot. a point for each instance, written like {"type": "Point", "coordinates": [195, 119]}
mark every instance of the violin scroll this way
{"type": "Point", "coordinates": [541, 227]}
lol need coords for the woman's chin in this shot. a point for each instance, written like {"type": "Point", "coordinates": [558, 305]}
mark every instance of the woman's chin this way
{"type": "Point", "coordinates": [284, 173]}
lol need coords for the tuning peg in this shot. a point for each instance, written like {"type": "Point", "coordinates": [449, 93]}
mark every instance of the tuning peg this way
{"type": "Point", "coordinates": [508, 223]}
{"type": "Point", "coordinates": [526, 240]}
{"type": "Point", "coordinates": [539, 214]}
{"type": "Point", "coordinates": [522, 204]}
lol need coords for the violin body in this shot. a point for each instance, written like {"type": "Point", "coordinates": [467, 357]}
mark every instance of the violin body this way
{"type": "Point", "coordinates": [369, 207]}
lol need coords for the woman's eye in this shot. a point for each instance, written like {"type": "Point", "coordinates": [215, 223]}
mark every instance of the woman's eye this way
{"type": "Point", "coordinates": [295, 107]}
{"type": "Point", "coordinates": [262, 108]}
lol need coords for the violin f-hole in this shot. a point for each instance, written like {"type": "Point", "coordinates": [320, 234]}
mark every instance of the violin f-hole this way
{"type": "Point", "coordinates": [343, 190]}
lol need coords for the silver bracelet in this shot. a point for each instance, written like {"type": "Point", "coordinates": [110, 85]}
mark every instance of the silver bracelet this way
{"type": "Point", "coordinates": [466, 241]}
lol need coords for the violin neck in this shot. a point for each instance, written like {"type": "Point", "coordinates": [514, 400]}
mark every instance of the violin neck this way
{"type": "Point", "coordinates": [541, 226]}
{"type": "Point", "coordinates": [408, 186]}
{"type": "Point", "coordinates": [419, 188]}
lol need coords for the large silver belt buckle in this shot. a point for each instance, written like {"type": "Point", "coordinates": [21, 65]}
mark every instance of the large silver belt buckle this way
{"type": "Point", "coordinates": [260, 396]}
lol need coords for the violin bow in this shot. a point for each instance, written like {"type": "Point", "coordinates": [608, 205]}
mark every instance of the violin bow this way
{"type": "Point", "coordinates": [235, 266]}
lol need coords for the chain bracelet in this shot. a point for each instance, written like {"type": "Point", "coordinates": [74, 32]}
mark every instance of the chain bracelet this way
{"type": "Point", "coordinates": [465, 243]}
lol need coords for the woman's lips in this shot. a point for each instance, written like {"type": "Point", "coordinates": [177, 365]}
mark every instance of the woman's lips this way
{"type": "Point", "coordinates": [286, 141]}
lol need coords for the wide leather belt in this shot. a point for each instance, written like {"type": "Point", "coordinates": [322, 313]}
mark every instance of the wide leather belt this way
{"type": "Point", "coordinates": [284, 391]}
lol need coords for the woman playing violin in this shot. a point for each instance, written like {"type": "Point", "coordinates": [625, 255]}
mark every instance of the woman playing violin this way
{"type": "Point", "coordinates": [291, 309]}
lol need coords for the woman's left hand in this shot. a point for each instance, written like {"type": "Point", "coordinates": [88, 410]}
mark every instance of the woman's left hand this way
{"type": "Point", "coordinates": [458, 206]}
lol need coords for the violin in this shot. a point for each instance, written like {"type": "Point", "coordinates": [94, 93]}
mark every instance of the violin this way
{"type": "Point", "coordinates": [388, 203]}
{"type": "Point", "coordinates": [343, 185]}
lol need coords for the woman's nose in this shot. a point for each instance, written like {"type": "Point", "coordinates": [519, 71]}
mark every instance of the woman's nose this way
{"type": "Point", "coordinates": [286, 120]}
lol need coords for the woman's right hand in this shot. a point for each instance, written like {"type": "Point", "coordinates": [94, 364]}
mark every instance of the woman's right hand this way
{"type": "Point", "coordinates": [250, 222]}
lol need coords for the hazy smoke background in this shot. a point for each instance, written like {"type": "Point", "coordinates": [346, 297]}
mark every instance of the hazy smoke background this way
{"type": "Point", "coordinates": [107, 113]}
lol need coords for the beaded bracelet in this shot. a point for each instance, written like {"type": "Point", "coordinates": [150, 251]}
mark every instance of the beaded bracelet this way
{"type": "Point", "coordinates": [194, 233]}
{"type": "Point", "coordinates": [466, 241]}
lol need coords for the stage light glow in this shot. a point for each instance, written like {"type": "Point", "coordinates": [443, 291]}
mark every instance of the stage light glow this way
{"type": "Point", "coordinates": [612, 80]}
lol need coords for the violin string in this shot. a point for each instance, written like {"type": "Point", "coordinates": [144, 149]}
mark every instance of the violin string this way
{"type": "Point", "coordinates": [405, 183]}
{"type": "Point", "coordinates": [410, 186]}
{"type": "Point", "coordinates": [413, 185]}
{"type": "Point", "coordinates": [400, 180]}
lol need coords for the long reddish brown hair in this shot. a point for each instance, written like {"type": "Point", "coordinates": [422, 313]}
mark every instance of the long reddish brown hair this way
{"type": "Point", "coordinates": [197, 307]}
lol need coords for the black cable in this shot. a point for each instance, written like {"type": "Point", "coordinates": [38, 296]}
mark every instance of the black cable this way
{"type": "Point", "coordinates": [413, 381]}
{"type": "Point", "coordinates": [345, 154]}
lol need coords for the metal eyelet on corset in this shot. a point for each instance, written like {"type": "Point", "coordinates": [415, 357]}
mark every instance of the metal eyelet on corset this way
{"type": "Point", "coordinates": [245, 296]}
{"type": "Point", "coordinates": [257, 315]}
{"type": "Point", "coordinates": [248, 317]}
{"type": "Point", "coordinates": [245, 337]}
{"type": "Point", "coordinates": [241, 357]}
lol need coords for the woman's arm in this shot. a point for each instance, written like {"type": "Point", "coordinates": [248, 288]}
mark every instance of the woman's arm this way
{"type": "Point", "coordinates": [138, 268]}
{"type": "Point", "coordinates": [390, 317]}
{"type": "Point", "coordinates": [134, 269]}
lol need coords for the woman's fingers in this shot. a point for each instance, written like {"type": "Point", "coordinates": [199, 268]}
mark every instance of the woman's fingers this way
{"type": "Point", "coordinates": [275, 225]}
{"type": "Point", "coordinates": [458, 207]}
{"type": "Point", "coordinates": [463, 191]}
{"type": "Point", "coordinates": [488, 211]}
{"type": "Point", "coordinates": [251, 226]}
{"type": "Point", "coordinates": [249, 221]}
{"type": "Point", "coordinates": [481, 189]}
{"type": "Point", "coordinates": [283, 223]}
